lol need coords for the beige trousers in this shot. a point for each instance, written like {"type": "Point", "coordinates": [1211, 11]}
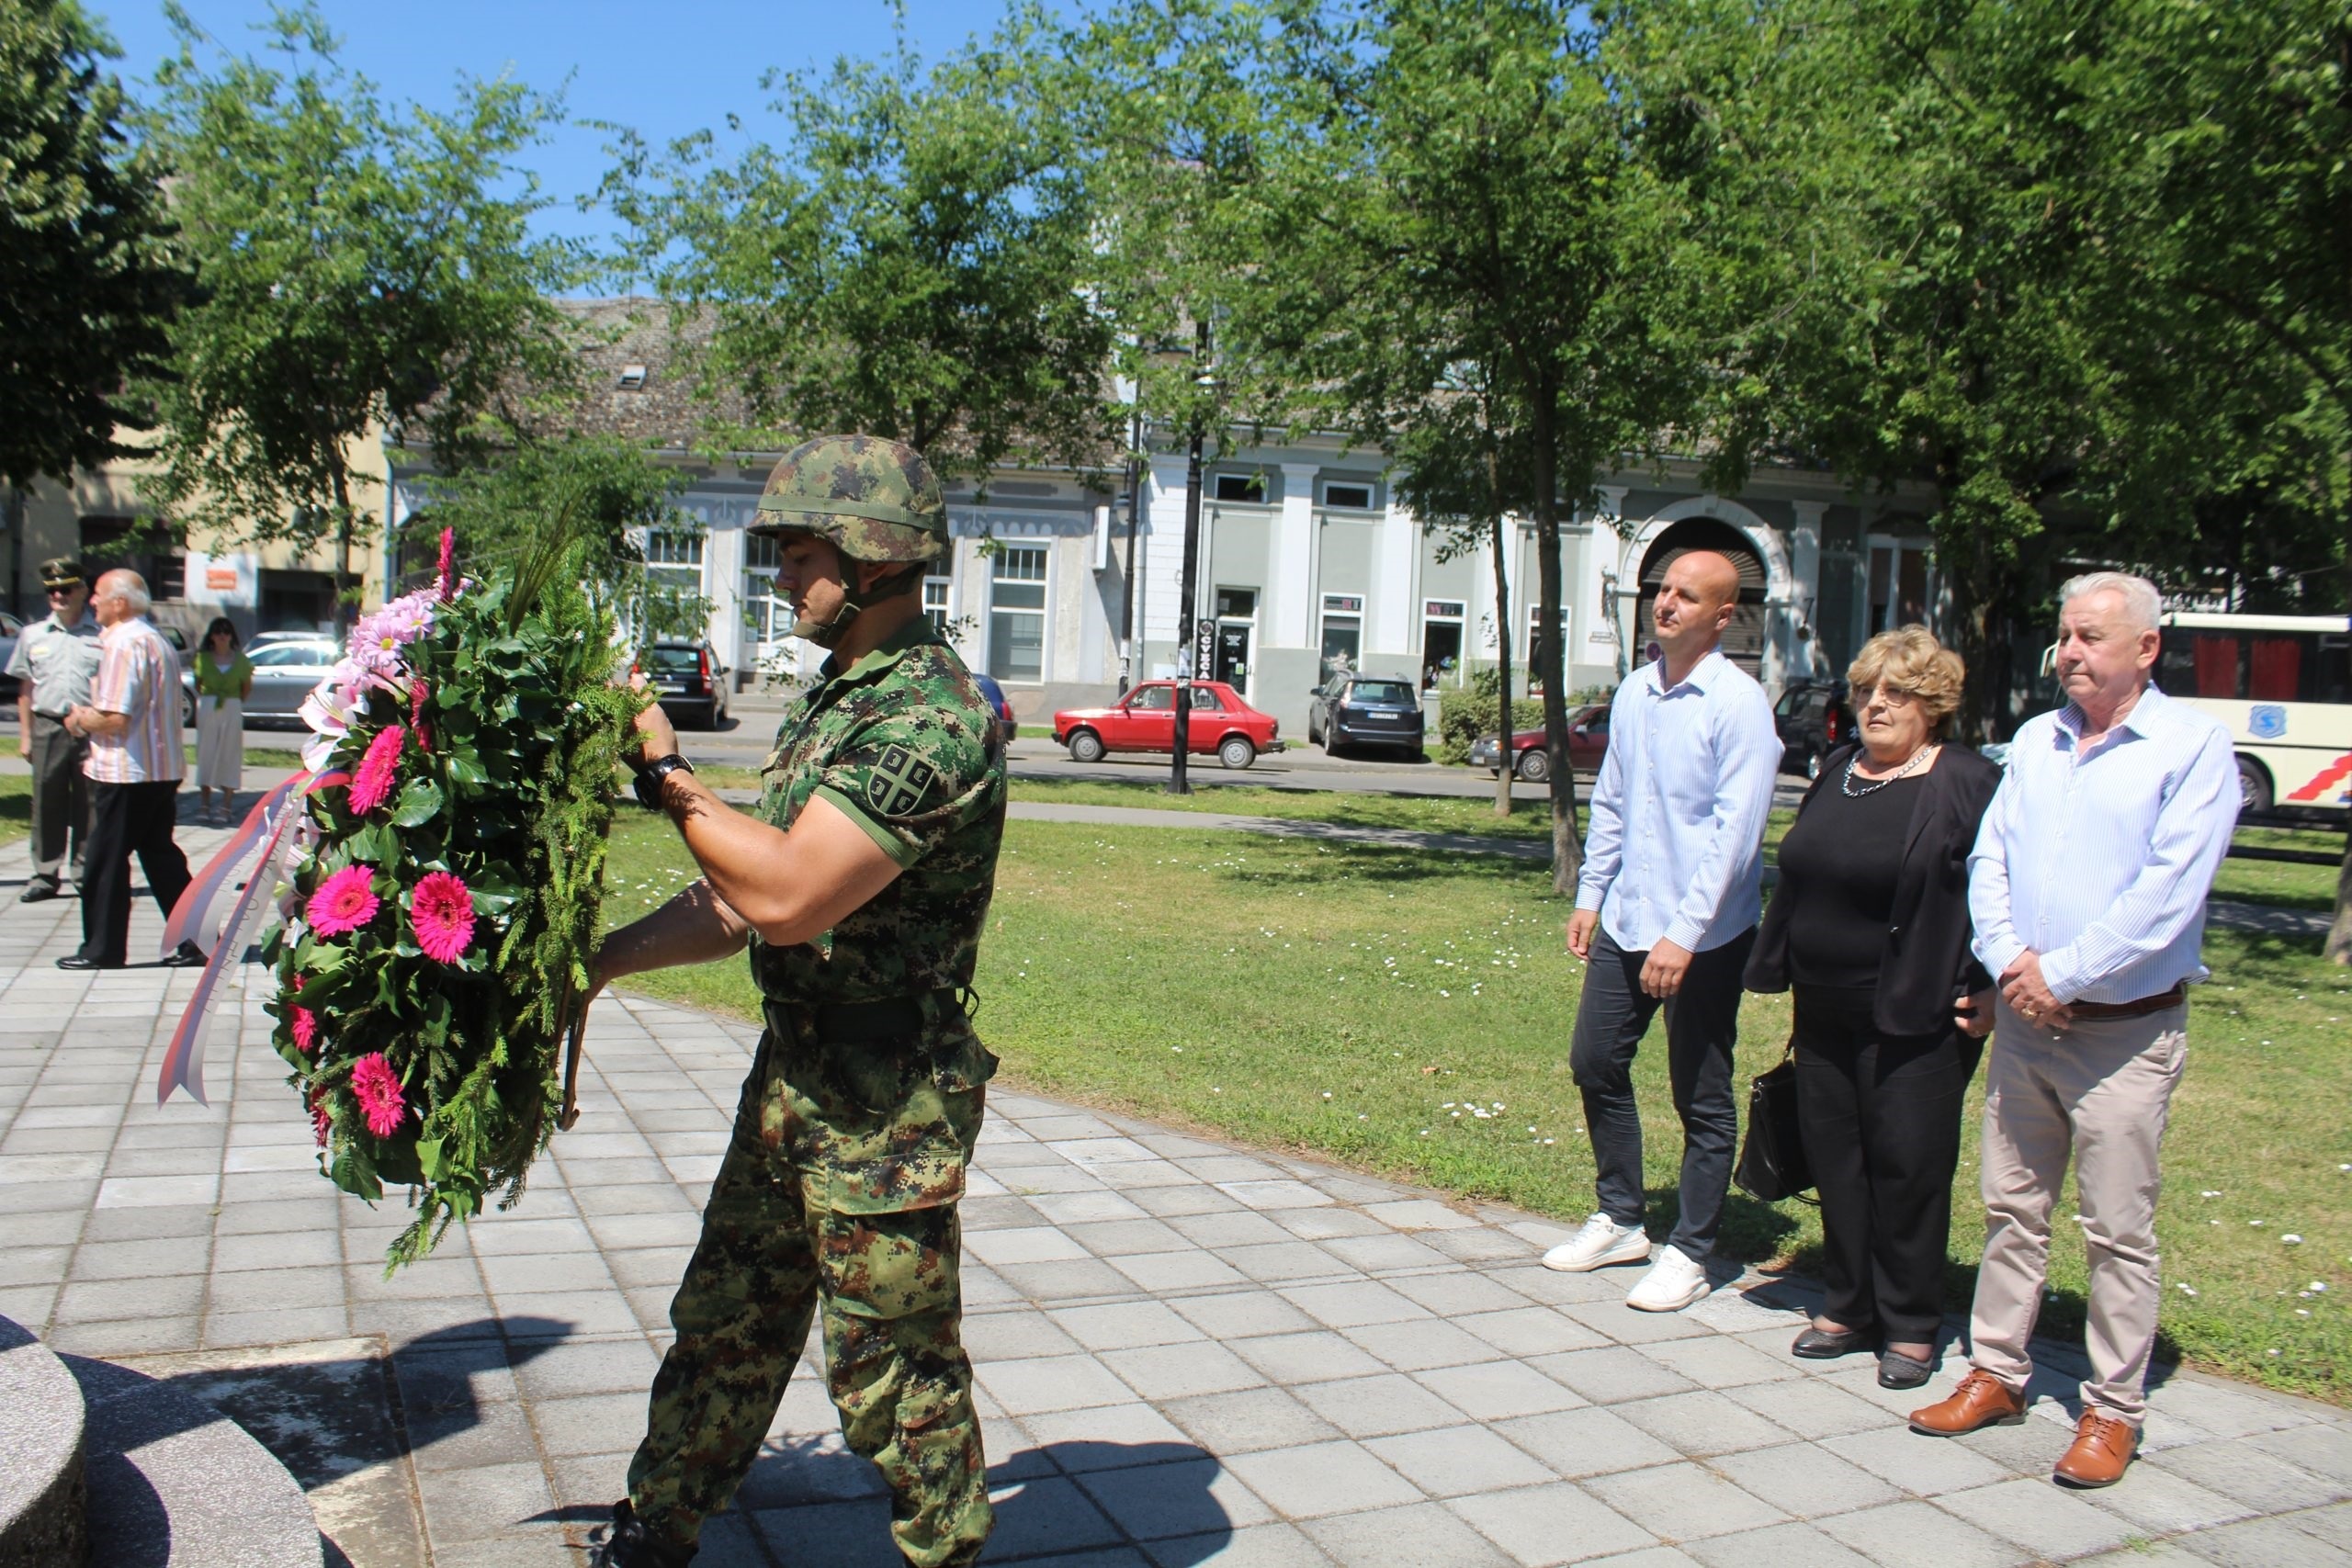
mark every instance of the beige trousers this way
{"type": "Point", "coordinates": [2100, 1091]}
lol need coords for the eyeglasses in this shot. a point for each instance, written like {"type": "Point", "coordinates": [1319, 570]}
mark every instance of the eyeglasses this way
{"type": "Point", "coordinates": [1892, 696]}
{"type": "Point", "coordinates": [56, 588]}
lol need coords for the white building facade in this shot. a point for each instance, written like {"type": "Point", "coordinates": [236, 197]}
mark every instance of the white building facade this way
{"type": "Point", "coordinates": [1308, 563]}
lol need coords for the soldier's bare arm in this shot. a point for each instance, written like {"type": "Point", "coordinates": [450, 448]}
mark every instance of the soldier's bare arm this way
{"type": "Point", "coordinates": [695, 927]}
{"type": "Point", "coordinates": [788, 886]}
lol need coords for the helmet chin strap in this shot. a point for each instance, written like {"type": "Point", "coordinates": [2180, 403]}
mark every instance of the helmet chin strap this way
{"type": "Point", "coordinates": [855, 601]}
{"type": "Point", "coordinates": [828, 633]}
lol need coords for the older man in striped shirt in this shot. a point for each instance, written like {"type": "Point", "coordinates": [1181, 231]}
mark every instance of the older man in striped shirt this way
{"type": "Point", "coordinates": [135, 766]}
{"type": "Point", "coordinates": [2087, 887]}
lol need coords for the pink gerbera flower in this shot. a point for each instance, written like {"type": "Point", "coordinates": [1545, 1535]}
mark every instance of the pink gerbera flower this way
{"type": "Point", "coordinates": [443, 912]}
{"type": "Point", "coordinates": [345, 902]}
{"type": "Point", "coordinates": [373, 783]}
{"type": "Point", "coordinates": [319, 1120]}
{"type": "Point", "coordinates": [417, 692]}
{"type": "Point", "coordinates": [377, 1089]}
{"type": "Point", "coordinates": [448, 564]}
{"type": "Point", "coordinates": [302, 1022]}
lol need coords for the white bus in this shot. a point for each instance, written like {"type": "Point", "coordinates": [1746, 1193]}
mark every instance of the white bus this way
{"type": "Point", "coordinates": [2283, 684]}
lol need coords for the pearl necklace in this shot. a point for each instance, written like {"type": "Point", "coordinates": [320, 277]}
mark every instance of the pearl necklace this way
{"type": "Point", "coordinates": [1904, 771]}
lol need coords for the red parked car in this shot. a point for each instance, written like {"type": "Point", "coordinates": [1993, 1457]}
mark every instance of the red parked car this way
{"type": "Point", "coordinates": [1587, 742]}
{"type": "Point", "coordinates": [1145, 720]}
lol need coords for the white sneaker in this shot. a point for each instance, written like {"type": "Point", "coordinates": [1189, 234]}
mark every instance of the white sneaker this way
{"type": "Point", "coordinates": [1601, 1242]}
{"type": "Point", "coordinates": [1673, 1282]}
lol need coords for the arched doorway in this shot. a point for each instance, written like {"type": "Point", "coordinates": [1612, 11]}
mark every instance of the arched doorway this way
{"type": "Point", "coordinates": [1743, 639]}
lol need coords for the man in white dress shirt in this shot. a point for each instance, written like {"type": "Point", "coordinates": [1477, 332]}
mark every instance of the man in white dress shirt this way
{"type": "Point", "coordinates": [1666, 913]}
{"type": "Point", "coordinates": [2088, 888]}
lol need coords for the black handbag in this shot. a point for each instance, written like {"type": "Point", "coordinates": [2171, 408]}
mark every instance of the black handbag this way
{"type": "Point", "coordinates": [1773, 1164]}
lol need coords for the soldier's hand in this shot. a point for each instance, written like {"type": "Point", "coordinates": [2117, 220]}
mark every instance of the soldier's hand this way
{"type": "Point", "coordinates": [656, 737]}
{"type": "Point", "coordinates": [25, 745]}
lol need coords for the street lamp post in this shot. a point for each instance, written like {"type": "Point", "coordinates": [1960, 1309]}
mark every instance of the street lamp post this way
{"type": "Point", "coordinates": [1135, 523]}
{"type": "Point", "coordinates": [1186, 603]}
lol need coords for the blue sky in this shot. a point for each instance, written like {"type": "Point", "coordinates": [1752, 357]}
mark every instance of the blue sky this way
{"type": "Point", "coordinates": [665, 69]}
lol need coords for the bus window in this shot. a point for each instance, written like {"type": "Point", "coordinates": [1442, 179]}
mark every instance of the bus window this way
{"type": "Point", "coordinates": [2329, 679]}
{"type": "Point", "coordinates": [2213, 664]}
{"type": "Point", "coordinates": [2276, 664]}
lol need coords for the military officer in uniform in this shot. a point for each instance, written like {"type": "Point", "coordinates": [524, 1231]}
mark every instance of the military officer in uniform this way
{"type": "Point", "coordinates": [55, 657]}
{"type": "Point", "coordinates": [860, 883]}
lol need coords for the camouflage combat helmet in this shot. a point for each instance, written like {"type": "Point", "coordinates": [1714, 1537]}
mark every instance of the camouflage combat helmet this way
{"type": "Point", "coordinates": [870, 499]}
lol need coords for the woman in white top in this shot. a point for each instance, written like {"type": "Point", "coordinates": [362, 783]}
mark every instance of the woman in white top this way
{"type": "Point", "coordinates": [224, 679]}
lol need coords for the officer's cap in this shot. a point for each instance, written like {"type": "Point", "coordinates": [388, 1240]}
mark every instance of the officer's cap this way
{"type": "Point", "coordinates": [62, 571]}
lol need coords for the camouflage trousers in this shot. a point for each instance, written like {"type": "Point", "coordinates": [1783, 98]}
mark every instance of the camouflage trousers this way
{"type": "Point", "coordinates": [825, 1201]}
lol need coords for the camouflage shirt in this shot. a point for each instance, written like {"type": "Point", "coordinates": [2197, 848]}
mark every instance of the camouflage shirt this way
{"type": "Point", "coordinates": [902, 743]}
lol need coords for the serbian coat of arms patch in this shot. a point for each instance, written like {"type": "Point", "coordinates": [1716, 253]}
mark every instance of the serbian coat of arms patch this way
{"type": "Point", "coordinates": [897, 781]}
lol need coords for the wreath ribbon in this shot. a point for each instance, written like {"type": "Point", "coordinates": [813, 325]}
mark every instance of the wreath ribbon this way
{"type": "Point", "coordinates": [191, 918]}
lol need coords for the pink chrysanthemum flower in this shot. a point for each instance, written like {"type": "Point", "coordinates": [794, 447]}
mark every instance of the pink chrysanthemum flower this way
{"type": "Point", "coordinates": [377, 1089]}
{"type": "Point", "coordinates": [443, 912]}
{"type": "Point", "coordinates": [372, 784]}
{"type": "Point", "coordinates": [345, 902]}
{"type": "Point", "coordinates": [448, 566]}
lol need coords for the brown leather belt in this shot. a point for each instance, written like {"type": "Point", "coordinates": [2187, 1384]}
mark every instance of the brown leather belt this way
{"type": "Point", "coordinates": [2141, 1008]}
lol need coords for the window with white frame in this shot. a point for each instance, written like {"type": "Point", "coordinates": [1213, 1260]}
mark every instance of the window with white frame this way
{"type": "Point", "coordinates": [768, 617]}
{"type": "Point", "coordinates": [1017, 613]}
{"type": "Point", "coordinates": [1348, 495]}
{"type": "Point", "coordinates": [935, 602]}
{"type": "Point", "coordinates": [1342, 632]}
{"type": "Point", "coordinates": [1250, 488]}
{"type": "Point", "coordinates": [673, 555]}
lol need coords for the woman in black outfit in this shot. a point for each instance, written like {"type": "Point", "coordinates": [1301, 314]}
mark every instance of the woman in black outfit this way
{"type": "Point", "coordinates": [1869, 925]}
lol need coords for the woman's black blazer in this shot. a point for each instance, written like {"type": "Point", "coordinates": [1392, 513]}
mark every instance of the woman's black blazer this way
{"type": "Point", "coordinates": [1927, 962]}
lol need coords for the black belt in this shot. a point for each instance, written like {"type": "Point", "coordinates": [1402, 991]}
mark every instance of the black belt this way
{"type": "Point", "coordinates": [2139, 1009]}
{"type": "Point", "coordinates": [852, 1021]}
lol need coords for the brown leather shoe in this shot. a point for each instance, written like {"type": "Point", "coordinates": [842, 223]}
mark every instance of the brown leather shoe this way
{"type": "Point", "coordinates": [1981, 1400]}
{"type": "Point", "coordinates": [2102, 1450]}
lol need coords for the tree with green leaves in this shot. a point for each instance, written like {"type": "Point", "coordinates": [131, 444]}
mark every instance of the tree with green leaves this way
{"type": "Point", "coordinates": [1463, 204]}
{"type": "Point", "coordinates": [361, 266]}
{"type": "Point", "coordinates": [906, 264]}
{"type": "Point", "coordinates": [88, 280]}
{"type": "Point", "coordinates": [2220, 132]}
{"type": "Point", "coordinates": [601, 494]}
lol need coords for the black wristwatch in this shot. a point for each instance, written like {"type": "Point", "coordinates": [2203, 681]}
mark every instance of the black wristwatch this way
{"type": "Point", "coordinates": [649, 777]}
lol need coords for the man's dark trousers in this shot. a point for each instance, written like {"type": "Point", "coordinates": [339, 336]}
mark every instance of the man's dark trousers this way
{"type": "Point", "coordinates": [127, 819]}
{"type": "Point", "coordinates": [61, 796]}
{"type": "Point", "coordinates": [1702, 1027]}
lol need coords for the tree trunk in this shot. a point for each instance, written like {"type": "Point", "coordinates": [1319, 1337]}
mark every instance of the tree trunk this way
{"type": "Point", "coordinates": [1503, 671]}
{"type": "Point", "coordinates": [1551, 667]}
{"type": "Point", "coordinates": [342, 556]}
{"type": "Point", "coordinates": [2339, 933]}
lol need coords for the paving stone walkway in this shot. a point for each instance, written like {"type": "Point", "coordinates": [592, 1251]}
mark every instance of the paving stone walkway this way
{"type": "Point", "coordinates": [1188, 1353]}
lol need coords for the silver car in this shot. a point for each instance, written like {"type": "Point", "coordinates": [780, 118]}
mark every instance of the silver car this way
{"type": "Point", "coordinates": [285, 672]}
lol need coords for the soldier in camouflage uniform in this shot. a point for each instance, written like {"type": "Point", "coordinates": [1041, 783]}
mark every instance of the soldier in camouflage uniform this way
{"type": "Point", "coordinates": [861, 884]}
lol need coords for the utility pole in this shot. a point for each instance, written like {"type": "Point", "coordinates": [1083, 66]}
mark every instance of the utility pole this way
{"type": "Point", "coordinates": [1186, 603]}
{"type": "Point", "coordinates": [1136, 469]}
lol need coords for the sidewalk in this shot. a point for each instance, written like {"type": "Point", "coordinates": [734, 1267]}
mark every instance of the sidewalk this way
{"type": "Point", "coordinates": [1188, 1353]}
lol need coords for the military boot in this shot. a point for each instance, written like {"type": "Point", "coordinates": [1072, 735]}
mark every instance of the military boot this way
{"type": "Point", "coordinates": [630, 1544]}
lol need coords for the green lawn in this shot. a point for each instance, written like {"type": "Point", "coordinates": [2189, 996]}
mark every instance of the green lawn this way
{"type": "Point", "coordinates": [1365, 1004]}
{"type": "Point", "coordinates": [16, 807]}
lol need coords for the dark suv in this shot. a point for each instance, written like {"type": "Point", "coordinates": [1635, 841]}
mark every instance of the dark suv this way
{"type": "Point", "coordinates": [1813, 720]}
{"type": "Point", "coordinates": [1366, 710]}
{"type": "Point", "coordinates": [690, 678]}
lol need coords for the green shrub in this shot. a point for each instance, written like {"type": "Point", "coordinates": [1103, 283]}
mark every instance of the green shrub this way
{"type": "Point", "coordinates": [1466, 715]}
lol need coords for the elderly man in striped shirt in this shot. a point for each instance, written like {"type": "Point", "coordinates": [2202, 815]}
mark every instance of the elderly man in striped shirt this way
{"type": "Point", "coordinates": [2087, 887]}
{"type": "Point", "coordinates": [135, 766]}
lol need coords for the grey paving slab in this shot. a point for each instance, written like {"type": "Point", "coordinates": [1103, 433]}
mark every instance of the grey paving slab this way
{"type": "Point", "coordinates": [1188, 1353]}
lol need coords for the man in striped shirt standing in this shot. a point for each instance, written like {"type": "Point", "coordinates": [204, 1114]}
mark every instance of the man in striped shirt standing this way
{"type": "Point", "coordinates": [2087, 887]}
{"type": "Point", "coordinates": [135, 765]}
